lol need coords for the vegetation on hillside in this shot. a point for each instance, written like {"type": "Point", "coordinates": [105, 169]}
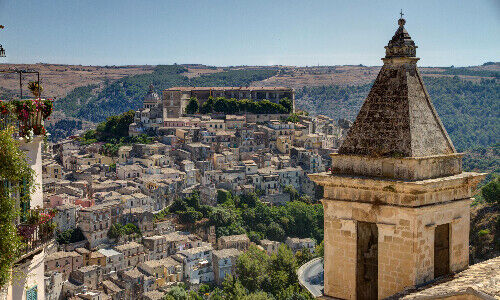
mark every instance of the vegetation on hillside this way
{"type": "Point", "coordinates": [235, 106]}
{"type": "Point", "coordinates": [483, 159]}
{"type": "Point", "coordinates": [70, 236]}
{"type": "Point", "coordinates": [470, 111]}
{"type": "Point", "coordinates": [114, 133]}
{"type": "Point", "coordinates": [94, 104]}
{"type": "Point", "coordinates": [247, 214]}
{"type": "Point", "coordinates": [63, 128]}
{"type": "Point", "coordinates": [471, 72]}
{"type": "Point", "coordinates": [258, 277]}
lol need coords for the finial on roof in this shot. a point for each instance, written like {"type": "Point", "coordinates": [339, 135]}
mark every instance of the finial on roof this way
{"type": "Point", "coordinates": [401, 21]}
{"type": "Point", "coordinates": [151, 88]}
{"type": "Point", "coordinates": [401, 44]}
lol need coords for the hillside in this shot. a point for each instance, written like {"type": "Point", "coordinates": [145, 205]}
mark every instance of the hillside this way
{"type": "Point", "coordinates": [59, 80]}
{"type": "Point", "coordinates": [465, 98]}
{"type": "Point", "coordinates": [96, 102]}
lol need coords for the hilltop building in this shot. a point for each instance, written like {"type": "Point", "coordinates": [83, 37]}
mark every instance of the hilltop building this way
{"type": "Point", "coordinates": [396, 202]}
{"type": "Point", "coordinates": [175, 99]}
{"type": "Point", "coordinates": [150, 116]}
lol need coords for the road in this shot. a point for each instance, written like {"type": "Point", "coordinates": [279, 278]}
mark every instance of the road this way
{"type": "Point", "coordinates": [311, 276]}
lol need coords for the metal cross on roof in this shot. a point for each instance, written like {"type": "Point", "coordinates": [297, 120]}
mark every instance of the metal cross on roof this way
{"type": "Point", "coordinates": [401, 13]}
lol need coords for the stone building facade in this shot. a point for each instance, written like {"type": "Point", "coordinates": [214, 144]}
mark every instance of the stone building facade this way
{"type": "Point", "coordinates": [396, 202]}
{"type": "Point", "coordinates": [175, 99]}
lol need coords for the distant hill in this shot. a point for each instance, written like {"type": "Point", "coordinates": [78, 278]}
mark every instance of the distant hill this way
{"type": "Point", "coordinates": [95, 103]}
{"type": "Point", "coordinates": [465, 98]}
{"type": "Point", "coordinates": [470, 110]}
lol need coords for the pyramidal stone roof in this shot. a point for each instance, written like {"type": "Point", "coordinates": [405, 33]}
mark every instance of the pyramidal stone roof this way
{"type": "Point", "coordinates": [397, 118]}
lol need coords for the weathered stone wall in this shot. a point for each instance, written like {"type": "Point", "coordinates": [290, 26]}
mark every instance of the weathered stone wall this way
{"type": "Point", "coordinates": [405, 245]}
{"type": "Point", "coordinates": [457, 215]}
{"type": "Point", "coordinates": [393, 192]}
{"type": "Point", "coordinates": [340, 256]}
{"type": "Point", "coordinates": [398, 168]}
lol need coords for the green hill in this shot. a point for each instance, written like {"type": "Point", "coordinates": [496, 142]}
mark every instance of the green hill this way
{"type": "Point", "coordinates": [94, 103]}
{"type": "Point", "coordinates": [470, 111]}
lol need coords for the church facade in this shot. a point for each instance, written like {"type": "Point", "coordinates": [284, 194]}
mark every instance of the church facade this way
{"type": "Point", "coordinates": [396, 201]}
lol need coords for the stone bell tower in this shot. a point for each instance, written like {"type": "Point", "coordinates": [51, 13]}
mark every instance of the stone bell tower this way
{"type": "Point", "coordinates": [396, 203]}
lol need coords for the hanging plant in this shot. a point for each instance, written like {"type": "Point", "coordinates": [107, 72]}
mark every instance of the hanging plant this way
{"type": "Point", "coordinates": [29, 114]}
{"type": "Point", "coordinates": [47, 108]}
{"type": "Point", "coordinates": [36, 88]}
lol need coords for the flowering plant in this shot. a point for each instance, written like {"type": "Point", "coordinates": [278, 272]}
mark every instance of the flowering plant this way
{"type": "Point", "coordinates": [29, 113]}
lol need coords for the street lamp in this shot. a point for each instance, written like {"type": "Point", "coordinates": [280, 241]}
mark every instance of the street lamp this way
{"type": "Point", "coordinates": [2, 50]}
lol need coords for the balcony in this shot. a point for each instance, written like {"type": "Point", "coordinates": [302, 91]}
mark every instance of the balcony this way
{"type": "Point", "coordinates": [26, 115]}
{"type": "Point", "coordinates": [36, 233]}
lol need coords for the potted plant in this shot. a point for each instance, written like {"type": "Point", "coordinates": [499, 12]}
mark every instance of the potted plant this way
{"type": "Point", "coordinates": [36, 88]}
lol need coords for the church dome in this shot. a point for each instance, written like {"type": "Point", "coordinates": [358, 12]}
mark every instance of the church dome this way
{"type": "Point", "coordinates": [152, 97]}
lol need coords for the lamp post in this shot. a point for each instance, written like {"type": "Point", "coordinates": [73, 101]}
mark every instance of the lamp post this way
{"type": "Point", "coordinates": [2, 50]}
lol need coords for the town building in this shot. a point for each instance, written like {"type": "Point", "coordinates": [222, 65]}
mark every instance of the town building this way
{"type": "Point", "coordinates": [224, 263]}
{"type": "Point", "coordinates": [89, 276]}
{"type": "Point", "coordinates": [66, 216]}
{"type": "Point", "coordinates": [271, 247]}
{"type": "Point", "coordinates": [63, 262]}
{"type": "Point", "coordinates": [96, 220]}
{"type": "Point", "coordinates": [175, 99]}
{"type": "Point", "coordinates": [150, 117]}
{"type": "Point", "coordinates": [133, 254]}
{"type": "Point", "coordinates": [297, 244]}
{"type": "Point", "coordinates": [197, 264]}
{"type": "Point", "coordinates": [114, 260]}
{"type": "Point", "coordinates": [166, 271]}
{"type": "Point", "coordinates": [240, 242]}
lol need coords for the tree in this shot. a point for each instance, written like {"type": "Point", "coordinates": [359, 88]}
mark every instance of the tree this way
{"type": "Point", "coordinates": [208, 106]}
{"type": "Point", "coordinates": [282, 267]}
{"type": "Point", "coordinates": [70, 236]}
{"type": "Point", "coordinates": [491, 191]}
{"type": "Point", "coordinates": [190, 216]}
{"type": "Point", "coordinates": [233, 289]}
{"type": "Point", "coordinates": [223, 196]}
{"type": "Point", "coordinates": [320, 249]}
{"type": "Point", "coordinates": [178, 205]}
{"type": "Point", "coordinates": [289, 189]}
{"type": "Point", "coordinates": [177, 293]}
{"type": "Point", "coordinates": [221, 105]}
{"type": "Point", "coordinates": [275, 232]}
{"type": "Point", "coordinates": [287, 104]}
{"type": "Point", "coordinates": [193, 200]}
{"type": "Point", "coordinates": [257, 296]}
{"type": "Point", "coordinates": [250, 199]}
{"type": "Point", "coordinates": [115, 231]}
{"type": "Point", "coordinates": [251, 268]}
{"type": "Point", "coordinates": [302, 256]}
{"type": "Point", "coordinates": [192, 106]}
{"type": "Point", "coordinates": [14, 168]}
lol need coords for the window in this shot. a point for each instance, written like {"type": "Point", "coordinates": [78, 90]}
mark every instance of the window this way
{"type": "Point", "coordinates": [32, 294]}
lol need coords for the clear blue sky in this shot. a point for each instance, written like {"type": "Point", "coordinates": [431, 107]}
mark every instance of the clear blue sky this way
{"type": "Point", "coordinates": [241, 32]}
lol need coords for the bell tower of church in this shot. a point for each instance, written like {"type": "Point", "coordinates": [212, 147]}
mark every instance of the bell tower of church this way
{"type": "Point", "coordinates": [396, 203]}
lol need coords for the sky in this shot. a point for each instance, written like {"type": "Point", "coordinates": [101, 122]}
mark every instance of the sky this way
{"type": "Point", "coordinates": [245, 32]}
